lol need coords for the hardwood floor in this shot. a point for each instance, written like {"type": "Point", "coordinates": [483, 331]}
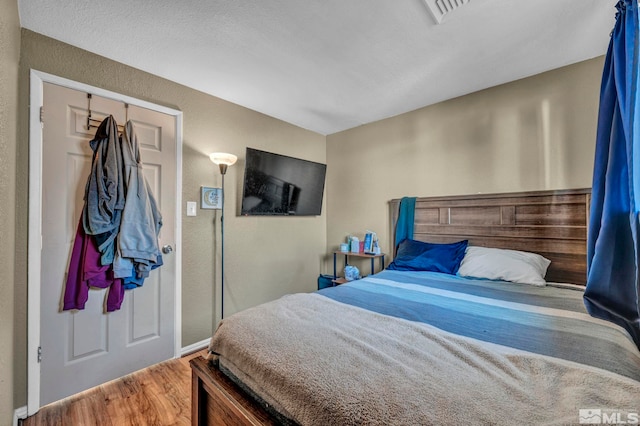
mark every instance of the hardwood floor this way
{"type": "Point", "coordinates": [158, 395]}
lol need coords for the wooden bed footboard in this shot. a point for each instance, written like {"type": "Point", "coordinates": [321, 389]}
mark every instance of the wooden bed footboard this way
{"type": "Point", "coordinates": [216, 400]}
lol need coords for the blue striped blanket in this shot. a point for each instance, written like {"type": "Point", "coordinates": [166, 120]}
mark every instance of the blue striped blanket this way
{"type": "Point", "coordinates": [544, 320]}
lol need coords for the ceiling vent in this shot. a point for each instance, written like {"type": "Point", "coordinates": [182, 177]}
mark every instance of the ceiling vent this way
{"type": "Point", "coordinates": [439, 8]}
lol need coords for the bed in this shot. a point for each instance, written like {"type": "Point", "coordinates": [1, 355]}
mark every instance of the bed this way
{"type": "Point", "coordinates": [424, 347]}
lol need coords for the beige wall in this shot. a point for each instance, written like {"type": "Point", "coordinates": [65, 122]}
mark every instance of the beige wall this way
{"type": "Point", "coordinates": [264, 257]}
{"type": "Point", "coordinates": [532, 134]}
{"type": "Point", "coordinates": [9, 59]}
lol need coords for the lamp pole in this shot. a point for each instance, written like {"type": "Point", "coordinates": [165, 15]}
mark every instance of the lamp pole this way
{"type": "Point", "coordinates": [223, 160]}
{"type": "Point", "coordinates": [223, 171]}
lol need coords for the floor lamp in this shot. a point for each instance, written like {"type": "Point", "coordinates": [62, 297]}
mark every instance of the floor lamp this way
{"type": "Point", "coordinates": [223, 160]}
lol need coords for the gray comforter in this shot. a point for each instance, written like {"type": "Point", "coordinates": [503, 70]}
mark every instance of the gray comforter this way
{"type": "Point", "coordinates": [316, 360]}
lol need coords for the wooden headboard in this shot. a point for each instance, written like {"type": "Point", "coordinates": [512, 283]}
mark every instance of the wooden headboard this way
{"type": "Point", "coordinates": [551, 223]}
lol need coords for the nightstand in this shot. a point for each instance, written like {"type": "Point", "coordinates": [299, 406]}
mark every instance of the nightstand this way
{"type": "Point", "coordinates": [341, 280]}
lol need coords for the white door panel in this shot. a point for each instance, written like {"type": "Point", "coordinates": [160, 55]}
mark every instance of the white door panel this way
{"type": "Point", "coordinates": [82, 349]}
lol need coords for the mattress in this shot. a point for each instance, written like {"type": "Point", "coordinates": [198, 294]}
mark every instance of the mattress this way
{"type": "Point", "coordinates": [425, 348]}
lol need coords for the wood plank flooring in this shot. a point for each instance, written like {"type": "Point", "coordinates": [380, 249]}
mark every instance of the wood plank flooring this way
{"type": "Point", "coordinates": [158, 395]}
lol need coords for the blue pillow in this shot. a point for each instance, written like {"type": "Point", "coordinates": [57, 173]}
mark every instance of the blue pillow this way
{"type": "Point", "coordinates": [418, 256]}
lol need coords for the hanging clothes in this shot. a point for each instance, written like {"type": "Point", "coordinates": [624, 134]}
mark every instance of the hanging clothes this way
{"type": "Point", "coordinates": [85, 271]}
{"type": "Point", "coordinates": [137, 251]}
{"type": "Point", "coordinates": [104, 193]}
{"type": "Point", "coordinates": [116, 244]}
{"type": "Point", "coordinates": [613, 249]}
{"type": "Point", "coordinates": [406, 216]}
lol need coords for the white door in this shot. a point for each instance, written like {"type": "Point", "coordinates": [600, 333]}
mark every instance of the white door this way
{"type": "Point", "coordinates": [82, 349]}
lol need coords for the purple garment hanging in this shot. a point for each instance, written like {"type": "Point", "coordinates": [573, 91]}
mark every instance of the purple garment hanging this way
{"type": "Point", "coordinates": [86, 270]}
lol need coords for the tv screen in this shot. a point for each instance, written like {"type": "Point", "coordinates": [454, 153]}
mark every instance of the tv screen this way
{"type": "Point", "coordinates": [275, 184]}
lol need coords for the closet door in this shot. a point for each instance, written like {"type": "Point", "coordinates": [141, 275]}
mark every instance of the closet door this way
{"type": "Point", "coordinates": [82, 349]}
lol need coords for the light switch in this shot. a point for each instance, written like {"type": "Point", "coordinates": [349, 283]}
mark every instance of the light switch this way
{"type": "Point", "coordinates": [191, 208]}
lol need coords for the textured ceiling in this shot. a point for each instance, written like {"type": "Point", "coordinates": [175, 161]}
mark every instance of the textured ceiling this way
{"type": "Point", "coordinates": [330, 65]}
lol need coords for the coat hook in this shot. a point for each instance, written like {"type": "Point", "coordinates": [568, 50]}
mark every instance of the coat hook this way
{"type": "Point", "coordinates": [89, 108]}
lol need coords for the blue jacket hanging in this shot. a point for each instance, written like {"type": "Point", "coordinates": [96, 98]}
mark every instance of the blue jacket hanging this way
{"type": "Point", "coordinates": [137, 250]}
{"type": "Point", "coordinates": [104, 193]}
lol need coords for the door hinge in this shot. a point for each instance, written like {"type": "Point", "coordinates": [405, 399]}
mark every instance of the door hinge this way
{"type": "Point", "coordinates": [42, 114]}
{"type": "Point", "coordinates": [39, 353]}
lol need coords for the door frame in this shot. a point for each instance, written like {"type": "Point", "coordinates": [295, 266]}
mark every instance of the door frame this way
{"type": "Point", "coordinates": [36, 98]}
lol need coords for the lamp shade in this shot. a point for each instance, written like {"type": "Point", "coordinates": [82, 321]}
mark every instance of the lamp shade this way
{"type": "Point", "coordinates": [223, 158]}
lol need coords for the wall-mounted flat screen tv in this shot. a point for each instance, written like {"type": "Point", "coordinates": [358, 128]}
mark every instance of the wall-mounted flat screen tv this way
{"type": "Point", "coordinates": [275, 184]}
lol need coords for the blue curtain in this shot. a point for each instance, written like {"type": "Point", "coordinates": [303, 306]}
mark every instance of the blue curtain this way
{"type": "Point", "coordinates": [613, 242]}
{"type": "Point", "coordinates": [406, 216]}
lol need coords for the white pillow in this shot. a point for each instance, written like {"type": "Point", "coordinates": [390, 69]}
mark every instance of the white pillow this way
{"type": "Point", "coordinates": [506, 265]}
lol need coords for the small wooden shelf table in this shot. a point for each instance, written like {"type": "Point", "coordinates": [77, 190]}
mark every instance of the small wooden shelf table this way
{"type": "Point", "coordinates": [341, 280]}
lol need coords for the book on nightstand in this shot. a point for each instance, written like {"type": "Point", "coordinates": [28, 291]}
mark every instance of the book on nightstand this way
{"type": "Point", "coordinates": [369, 240]}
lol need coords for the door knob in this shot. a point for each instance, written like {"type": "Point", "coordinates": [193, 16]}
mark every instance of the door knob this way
{"type": "Point", "coordinates": [167, 249]}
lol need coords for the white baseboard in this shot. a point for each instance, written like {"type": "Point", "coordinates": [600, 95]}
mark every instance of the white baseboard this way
{"type": "Point", "coordinates": [19, 413]}
{"type": "Point", "coordinates": [194, 347]}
